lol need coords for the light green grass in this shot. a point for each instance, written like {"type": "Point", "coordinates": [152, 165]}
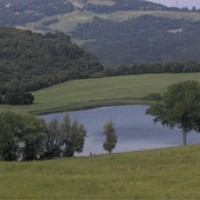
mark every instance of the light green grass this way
{"type": "Point", "coordinates": [157, 174]}
{"type": "Point", "coordinates": [80, 94]}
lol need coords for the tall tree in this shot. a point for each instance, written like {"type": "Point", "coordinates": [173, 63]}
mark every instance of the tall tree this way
{"type": "Point", "coordinates": [33, 137]}
{"type": "Point", "coordinates": [53, 140]}
{"type": "Point", "coordinates": [73, 136]}
{"type": "Point", "coordinates": [10, 131]}
{"type": "Point", "coordinates": [180, 106]}
{"type": "Point", "coordinates": [111, 136]}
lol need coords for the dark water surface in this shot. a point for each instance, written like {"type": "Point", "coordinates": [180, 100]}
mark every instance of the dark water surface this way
{"type": "Point", "coordinates": [136, 131]}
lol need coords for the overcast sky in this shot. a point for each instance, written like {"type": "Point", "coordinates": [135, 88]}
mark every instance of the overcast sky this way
{"type": "Point", "coordinates": [181, 3]}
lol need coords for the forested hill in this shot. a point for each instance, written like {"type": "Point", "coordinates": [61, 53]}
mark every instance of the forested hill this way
{"type": "Point", "coordinates": [15, 12]}
{"type": "Point", "coordinates": [141, 40]}
{"type": "Point", "coordinates": [116, 31]}
{"type": "Point", "coordinates": [30, 61]}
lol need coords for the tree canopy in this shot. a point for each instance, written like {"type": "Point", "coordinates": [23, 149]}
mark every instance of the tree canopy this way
{"type": "Point", "coordinates": [180, 106]}
{"type": "Point", "coordinates": [26, 137]}
{"type": "Point", "coordinates": [140, 39]}
{"type": "Point", "coordinates": [111, 136]}
{"type": "Point", "coordinates": [30, 61]}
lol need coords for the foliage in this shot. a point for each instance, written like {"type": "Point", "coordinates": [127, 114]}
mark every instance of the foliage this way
{"type": "Point", "coordinates": [25, 137]}
{"type": "Point", "coordinates": [155, 67]}
{"type": "Point", "coordinates": [111, 136]}
{"type": "Point", "coordinates": [19, 98]}
{"type": "Point", "coordinates": [53, 140]}
{"type": "Point", "coordinates": [64, 139]}
{"type": "Point", "coordinates": [153, 97]}
{"type": "Point", "coordinates": [143, 39]}
{"type": "Point", "coordinates": [73, 136]}
{"type": "Point", "coordinates": [32, 138]}
{"type": "Point", "coordinates": [10, 132]}
{"type": "Point", "coordinates": [180, 106]}
{"type": "Point", "coordinates": [30, 61]}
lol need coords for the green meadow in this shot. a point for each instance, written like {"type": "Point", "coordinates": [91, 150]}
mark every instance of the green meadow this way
{"type": "Point", "coordinates": [156, 174]}
{"type": "Point", "coordinates": [82, 94]}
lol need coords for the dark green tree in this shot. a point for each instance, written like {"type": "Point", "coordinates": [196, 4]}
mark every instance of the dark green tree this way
{"type": "Point", "coordinates": [33, 137]}
{"type": "Point", "coordinates": [111, 136]}
{"type": "Point", "coordinates": [10, 131]}
{"type": "Point", "coordinates": [180, 106]}
{"type": "Point", "coordinates": [73, 136]}
{"type": "Point", "coordinates": [53, 140]}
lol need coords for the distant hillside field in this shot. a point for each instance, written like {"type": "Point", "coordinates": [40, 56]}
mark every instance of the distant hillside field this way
{"type": "Point", "coordinates": [81, 94]}
{"type": "Point", "coordinates": [157, 174]}
{"type": "Point", "coordinates": [121, 31]}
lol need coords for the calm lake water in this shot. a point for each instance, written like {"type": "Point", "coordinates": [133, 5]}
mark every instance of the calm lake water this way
{"type": "Point", "coordinates": [135, 130]}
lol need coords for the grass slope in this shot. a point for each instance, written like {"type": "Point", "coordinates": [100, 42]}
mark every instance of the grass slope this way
{"type": "Point", "coordinates": [67, 22]}
{"type": "Point", "coordinates": [157, 174]}
{"type": "Point", "coordinates": [80, 94]}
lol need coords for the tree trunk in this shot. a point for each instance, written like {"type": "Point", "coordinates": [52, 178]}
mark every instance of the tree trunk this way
{"type": "Point", "coordinates": [184, 136]}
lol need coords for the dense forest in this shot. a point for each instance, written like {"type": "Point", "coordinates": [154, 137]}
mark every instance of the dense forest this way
{"type": "Point", "coordinates": [30, 61]}
{"type": "Point", "coordinates": [143, 39]}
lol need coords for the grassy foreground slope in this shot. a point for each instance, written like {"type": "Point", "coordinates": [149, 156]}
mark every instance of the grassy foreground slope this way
{"type": "Point", "coordinates": [80, 94]}
{"type": "Point", "coordinates": [157, 174]}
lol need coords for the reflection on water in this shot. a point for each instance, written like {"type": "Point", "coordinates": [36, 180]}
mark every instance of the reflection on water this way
{"type": "Point", "coordinates": [136, 131]}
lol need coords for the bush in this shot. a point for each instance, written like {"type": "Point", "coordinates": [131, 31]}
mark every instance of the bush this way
{"type": "Point", "coordinates": [153, 97]}
{"type": "Point", "coordinates": [19, 98]}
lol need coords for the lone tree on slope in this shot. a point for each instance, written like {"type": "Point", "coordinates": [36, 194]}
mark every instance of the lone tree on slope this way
{"type": "Point", "coordinates": [111, 136]}
{"type": "Point", "coordinates": [180, 106]}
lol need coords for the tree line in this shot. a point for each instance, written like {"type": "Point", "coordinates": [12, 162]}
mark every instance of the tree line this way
{"type": "Point", "coordinates": [26, 137]}
{"type": "Point", "coordinates": [156, 67]}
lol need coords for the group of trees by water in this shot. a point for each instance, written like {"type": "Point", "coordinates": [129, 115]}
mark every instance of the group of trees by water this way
{"type": "Point", "coordinates": [26, 137]}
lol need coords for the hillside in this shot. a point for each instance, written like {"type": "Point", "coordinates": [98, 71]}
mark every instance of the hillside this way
{"type": "Point", "coordinates": [30, 61]}
{"type": "Point", "coordinates": [15, 12]}
{"type": "Point", "coordinates": [116, 31]}
{"type": "Point", "coordinates": [157, 174]}
{"type": "Point", "coordinates": [141, 40]}
{"type": "Point", "coordinates": [81, 94]}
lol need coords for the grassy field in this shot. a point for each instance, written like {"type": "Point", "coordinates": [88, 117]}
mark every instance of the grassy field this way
{"type": "Point", "coordinates": [157, 174]}
{"type": "Point", "coordinates": [67, 22]}
{"type": "Point", "coordinates": [80, 94]}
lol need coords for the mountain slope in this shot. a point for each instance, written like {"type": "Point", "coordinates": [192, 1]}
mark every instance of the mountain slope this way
{"type": "Point", "coordinates": [15, 12]}
{"type": "Point", "coordinates": [144, 39]}
{"type": "Point", "coordinates": [105, 28]}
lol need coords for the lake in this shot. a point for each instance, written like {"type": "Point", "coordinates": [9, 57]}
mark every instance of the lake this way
{"type": "Point", "coordinates": [135, 130]}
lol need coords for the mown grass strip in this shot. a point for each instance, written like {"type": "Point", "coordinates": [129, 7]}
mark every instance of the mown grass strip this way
{"type": "Point", "coordinates": [82, 94]}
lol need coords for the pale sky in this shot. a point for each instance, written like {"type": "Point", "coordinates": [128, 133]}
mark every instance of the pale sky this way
{"type": "Point", "coordinates": [181, 3]}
